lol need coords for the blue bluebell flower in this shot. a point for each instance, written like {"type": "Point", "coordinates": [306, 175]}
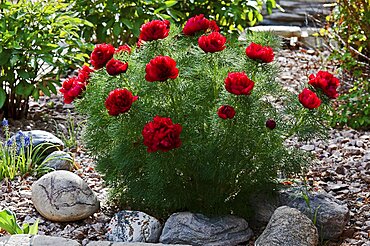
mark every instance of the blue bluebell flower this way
{"type": "Point", "coordinates": [5, 122]}
{"type": "Point", "coordinates": [9, 142]}
{"type": "Point", "coordinates": [26, 141]}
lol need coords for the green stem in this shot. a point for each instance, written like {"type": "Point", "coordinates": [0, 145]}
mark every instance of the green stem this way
{"type": "Point", "coordinates": [170, 91]}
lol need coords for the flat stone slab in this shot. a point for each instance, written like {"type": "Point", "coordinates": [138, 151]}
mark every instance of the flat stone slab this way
{"type": "Point", "coordinates": [284, 31]}
{"type": "Point", "coordinates": [109, 243]}
{"type": "Point", "coordinates": [38, 240]}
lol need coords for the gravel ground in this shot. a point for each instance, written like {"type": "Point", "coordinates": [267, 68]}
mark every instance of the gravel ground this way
{"type": "Point", "coordinates": [342, 167]}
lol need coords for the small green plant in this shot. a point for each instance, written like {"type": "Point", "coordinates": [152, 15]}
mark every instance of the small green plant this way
{"type": "Point", "coordinates": [70, 138]}
{"type": "Point", "coordinates": [18, 157]}
{"type": "Point", "coordinates": [8, 222]}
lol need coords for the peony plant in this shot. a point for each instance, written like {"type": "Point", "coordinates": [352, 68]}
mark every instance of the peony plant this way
{"type": "Point", "coordinates": [189, 120]}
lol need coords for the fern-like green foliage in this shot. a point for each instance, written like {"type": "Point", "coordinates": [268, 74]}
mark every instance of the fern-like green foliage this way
{"type": "Point", "coordinates": [220, 162]}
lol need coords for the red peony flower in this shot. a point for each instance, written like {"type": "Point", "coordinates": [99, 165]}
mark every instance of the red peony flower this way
{"type": "Point", "coordinates": [123, 48]}
{"type": "Point", "coordinates": [271, 124]}
{"type": "Point", "coordinates": [238, 83]}
{"type": "Point", "coordinates": [161, 68]}
{"type": "Point", "coordinates": [119, 101]}
{"type": "Point", "coordinates": [309, 99]}
{"type": "Point", "coordinates": [115, 67]}
{"type": "Point", "coordinates": [226, 112]}
{"type": "Point", "coordinates": [84, 74]}
{"type": "Point", "coordinates": [154, 30]}
{"type": "Point", "coordinates": [326, 82]}
{"type": "Point", "coordinates": [199, 23]}
{"type": "Point", "coordinates": [212, 43]}
{"type": "Point", "coordinates": [101, 55]}
{"type": "Point", "coordinates": [71, 89]}
{"type": "Point", "coordinates": [258, 52]}
{"type": "Point", "coordinates": [161, 134]}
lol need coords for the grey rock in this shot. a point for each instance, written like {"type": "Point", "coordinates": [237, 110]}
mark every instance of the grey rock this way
{"type": "Point", "coordinates": [263, 206]}
{"type": "Point", "coordinates": [351, 150]}
{"type": "Point", "coordinates": [134, 226]}
{"type": "Point", "coordinates": [197, 229]}
{"type": "Point", "coordinates": [331, 214]}
{"type": "Point", "coordinates": [38, 240]}
{"type": "Point", "coordinates": [59, 160]}
{"type": "Point", "coordinates": [63, 196]}
{"type": "Point", "coordinates": [48, 141]}
{"type": "Point", "coordinates": [289, 227]}
{"type": "Point", "coordinates": [109, 243]}
{"type": "Point", "coordinates": [310, 147]}
{"type": "Point", "coordinates": [366, 158]}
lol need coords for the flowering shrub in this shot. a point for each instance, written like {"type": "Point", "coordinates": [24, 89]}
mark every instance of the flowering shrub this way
{"type": "Point", "coordinates": [194, 123]}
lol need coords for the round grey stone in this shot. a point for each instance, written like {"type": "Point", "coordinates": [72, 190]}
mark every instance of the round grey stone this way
{"type": "Point", "coordinates": [63, 196]}
{"type": "Point", "coordinates": [289, 227]}
{"type": "Point", "coordinates": [59, 160]}
{"type": "Point", "coordinates": [134, 226]}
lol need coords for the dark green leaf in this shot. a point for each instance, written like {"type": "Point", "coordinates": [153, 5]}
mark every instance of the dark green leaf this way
{"type": "Point", "coordinates": [24, 89]}
{"type": "Point", "coordinates": [2, 98]}
{"type": "Point", "coordinates": [4, 57]}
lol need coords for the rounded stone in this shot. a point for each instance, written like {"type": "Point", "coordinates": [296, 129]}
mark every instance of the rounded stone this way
{"type": "Point", "coordinates": [289, 227]}
{"type": "Point", "coordinates": [59, 160]}
{"type": "Point", "coordinates": [63, 196]}
{"type": "Point", "coordinates": [134, 226]}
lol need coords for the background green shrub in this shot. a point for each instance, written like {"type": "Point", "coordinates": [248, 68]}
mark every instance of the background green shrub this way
{"type": "Point", "coordinates": [119, 21]}
{"type": "Point", "coordinates": [38, 41]}
{"type": "Point", "coordinates": [221, 162]}
{"type": "Point", "coordinates": [351, 28]}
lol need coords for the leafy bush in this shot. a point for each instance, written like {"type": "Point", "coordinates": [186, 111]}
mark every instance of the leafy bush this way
{"type": "Point", "coordinates": [119, 21]}
{"type": "Point", "coordinates": [350, 26]}
{"type": "Point", "coordinates": [195, 123]}
{"type": "Point", "coordinates": [38, 41]}
{"type": "Point", "coordinates": [8, 222]}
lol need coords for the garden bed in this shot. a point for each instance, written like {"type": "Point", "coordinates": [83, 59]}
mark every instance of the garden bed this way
{"type": "Point", "coordinates": [342, 168]}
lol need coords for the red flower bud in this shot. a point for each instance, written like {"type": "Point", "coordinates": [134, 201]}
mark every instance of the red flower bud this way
{"type": "Point", "coordinates": [226, 112]}
{"type": "Point", "coordinates": [270, 124]}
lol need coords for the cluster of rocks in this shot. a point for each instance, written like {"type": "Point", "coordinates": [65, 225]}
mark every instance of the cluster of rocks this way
{"type": "Point", "coordinates": [63, 196]}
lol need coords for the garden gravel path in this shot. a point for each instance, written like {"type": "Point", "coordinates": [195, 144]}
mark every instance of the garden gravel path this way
{"type": "Point", "coordinates": [342, 167]}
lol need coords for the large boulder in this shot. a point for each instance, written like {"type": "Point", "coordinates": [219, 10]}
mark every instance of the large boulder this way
{"type": "Point", "coordinates": [38, 240]}
{"type": "Point", "coordinates": [134, 226]}
{"type": "Point", "coordinates": [329, 214]}
{"type": "Point", "coordinates": [59, 160]}
{"type": "Point", "coordinates": [63, 196]}
{"type": "Point", "coordinates": [289, 227]}
{"type": "Point", "coordinates": [197, 229]}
